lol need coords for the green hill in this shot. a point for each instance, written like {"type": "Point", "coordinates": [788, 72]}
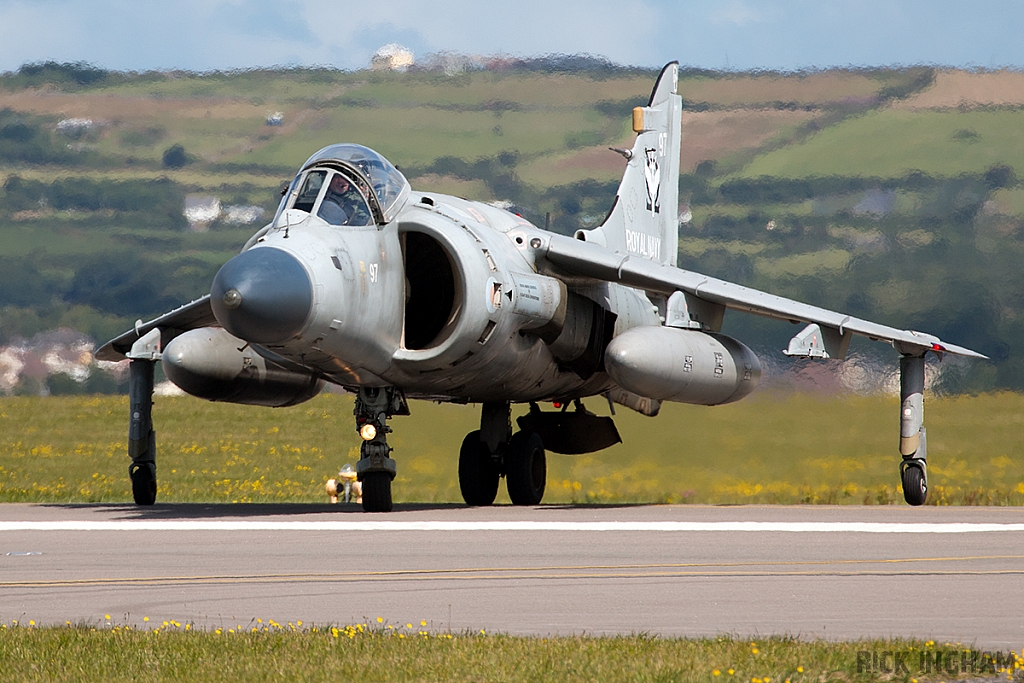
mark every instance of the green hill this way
{"type": "Point", "coordinates": [890, 194]}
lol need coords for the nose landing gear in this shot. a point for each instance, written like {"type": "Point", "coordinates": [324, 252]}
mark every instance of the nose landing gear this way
{"type": "Point", "coordinates": [376, 469]}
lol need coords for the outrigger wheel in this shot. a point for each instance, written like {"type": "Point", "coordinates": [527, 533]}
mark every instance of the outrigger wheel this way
{"type": "Point", "coordinates": [915, 485]}
{"type": "Point", "coordinates": [143, 476]}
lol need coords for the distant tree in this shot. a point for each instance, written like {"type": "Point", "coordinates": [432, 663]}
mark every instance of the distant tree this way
{"type": "Point", "coordinates": [17, 131]}
{"type": "Point", "coordinates": [1000, 176]}
{"type": "Point", "coordinates": [175, 156]}
{"type": "Point", "coordinates": [58, 73]}
{"type": "Point", "coordinates": [509, 157]}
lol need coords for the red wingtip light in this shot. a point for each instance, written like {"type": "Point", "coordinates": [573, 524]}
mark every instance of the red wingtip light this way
{"type": "Point", "coordinates": [938, 347]}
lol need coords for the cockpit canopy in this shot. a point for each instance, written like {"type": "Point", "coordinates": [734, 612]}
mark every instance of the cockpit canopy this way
{"type": "Point", "coordinates": [348, 184]}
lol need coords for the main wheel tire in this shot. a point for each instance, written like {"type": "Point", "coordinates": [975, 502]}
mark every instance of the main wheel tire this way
{"type": "Point", "coordinates": [526, 469]}
{"type": "Point", "coordinates": [478, 473]}
{"type": "Point", "coordinates": [377, 492]}
{"type": "Point", "coordinates": [143, 483]}
{"type": "Point", "coordinates": [915, 488]}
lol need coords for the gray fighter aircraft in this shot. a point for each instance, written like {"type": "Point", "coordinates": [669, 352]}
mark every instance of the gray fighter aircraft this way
{"type": "Point", "coordinates": [397, 294]}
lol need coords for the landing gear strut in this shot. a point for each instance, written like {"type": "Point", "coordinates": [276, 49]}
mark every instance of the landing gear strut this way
{"type": "Point", "coordinates": [376, 469]}
{"type": "Point", "coordinates": [913, 441]}
{"type": "Point", "coordinates": [492, 451]}
{"type": "Point", "coordinates": [141, 437]}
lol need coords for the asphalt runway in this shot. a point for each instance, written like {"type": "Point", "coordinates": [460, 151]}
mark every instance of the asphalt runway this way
{"type": "Point", "coordinates": [951, 574]}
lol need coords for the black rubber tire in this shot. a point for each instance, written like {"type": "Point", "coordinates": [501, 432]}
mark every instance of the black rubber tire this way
{"type": "Point", "coordinates": [143, 484]}
{"type": "Point", "coordinates": [915, 488]}
{"type": "Point", "coordinates": [478, 473]}
{"type": "Point", "coordinates": [526, 469]}
{"type": "Point", "coordinates": [377, 492]}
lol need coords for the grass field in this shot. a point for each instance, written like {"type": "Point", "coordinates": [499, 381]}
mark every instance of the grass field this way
{"type": "Point", "coordinates": [889, 143]}
{"type": "Point", "coordinates": [753, 89]}
{"type": "Point", "coordinates": [421, 135]}
{"type": "Point", "coordinates": [411, 118]}
{"type": "Point", "coordinates": [68, 239]}
{"type": "Point", "coordinates": [375, 651]}
{"type": "Point", "coordinates": [772, 448]}
{"type": "Point", "coordinates": [559, 123]}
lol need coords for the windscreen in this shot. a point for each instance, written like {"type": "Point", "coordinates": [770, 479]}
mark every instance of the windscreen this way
{"type": "Point", "coordinates": [309, 191]}
{"type": "Point", "coordinates": [389, 185]}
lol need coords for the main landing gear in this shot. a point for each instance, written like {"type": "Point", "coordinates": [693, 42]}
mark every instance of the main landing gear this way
{"type": "Point", "coordinates": [376, 469]}
{"type": "Point", "coordinates": [493, 451]}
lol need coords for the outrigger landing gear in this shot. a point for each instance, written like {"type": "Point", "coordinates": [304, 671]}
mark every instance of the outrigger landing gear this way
{"type": "Point", "coordinates": [492, 451]}
{"type": "Point", "coordinates": [376, 469]}
{"type": "Point", "coordinates": [141, 437]}
{"type": "Point", "coordinates": [913, 441]}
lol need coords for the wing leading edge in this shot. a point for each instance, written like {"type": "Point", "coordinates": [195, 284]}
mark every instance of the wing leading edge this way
{"type": "Point", "coordinates": [191, 316]}
{"type": "Point", "coordinates": [579, 258]}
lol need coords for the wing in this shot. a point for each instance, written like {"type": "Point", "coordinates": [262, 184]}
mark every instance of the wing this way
{"type": "Point", "coordinates": [576, 257]}
{"type": "Point", "coordinates": [188, 317]}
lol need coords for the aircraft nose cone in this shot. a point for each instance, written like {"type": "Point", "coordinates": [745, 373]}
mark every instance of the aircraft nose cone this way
{"type": "Point", "coordinates": [262, 295]}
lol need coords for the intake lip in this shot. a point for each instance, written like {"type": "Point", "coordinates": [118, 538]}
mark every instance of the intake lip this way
{"type": "Point", "coordinates": [263, 295]}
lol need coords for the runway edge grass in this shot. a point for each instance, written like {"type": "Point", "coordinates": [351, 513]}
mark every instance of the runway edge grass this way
{"type": "Point", "coordinates": [771, 448]}
{"type": "Point", "coordinates": [382, 652]}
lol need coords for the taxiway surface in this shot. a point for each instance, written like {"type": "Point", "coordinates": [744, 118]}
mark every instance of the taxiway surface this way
{"type": "Point", "coordinates": [951, 574]}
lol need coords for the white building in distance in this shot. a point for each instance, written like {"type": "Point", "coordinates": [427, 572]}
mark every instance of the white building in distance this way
{"type": "Point", "coordinates": [392, 57]}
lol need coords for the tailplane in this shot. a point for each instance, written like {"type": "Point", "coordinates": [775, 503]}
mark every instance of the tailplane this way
{"type": "Point", "coordinates": [643, 221]}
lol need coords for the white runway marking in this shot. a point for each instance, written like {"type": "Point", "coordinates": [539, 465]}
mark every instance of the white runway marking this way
{"type": "Point", "coordinates": [242, 525]}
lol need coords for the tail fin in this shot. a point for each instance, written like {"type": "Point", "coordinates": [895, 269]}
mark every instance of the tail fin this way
{"type": "Point", "coordinates": [643, 221]}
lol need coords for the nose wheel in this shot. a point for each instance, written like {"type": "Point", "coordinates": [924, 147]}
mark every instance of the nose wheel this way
{"type": "Point", "coordinates": [377, 492]}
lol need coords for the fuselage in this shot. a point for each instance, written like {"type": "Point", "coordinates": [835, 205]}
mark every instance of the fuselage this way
{"type": "Point", "coordinates": [445, 302]}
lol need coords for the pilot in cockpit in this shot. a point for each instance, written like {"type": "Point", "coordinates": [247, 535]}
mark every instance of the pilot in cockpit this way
{"type": "Point", "coordinates": [344, 204]}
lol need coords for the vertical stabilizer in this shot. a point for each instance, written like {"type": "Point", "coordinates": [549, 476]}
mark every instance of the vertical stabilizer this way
{"type": "Point", "coordinates": [644, 220]}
